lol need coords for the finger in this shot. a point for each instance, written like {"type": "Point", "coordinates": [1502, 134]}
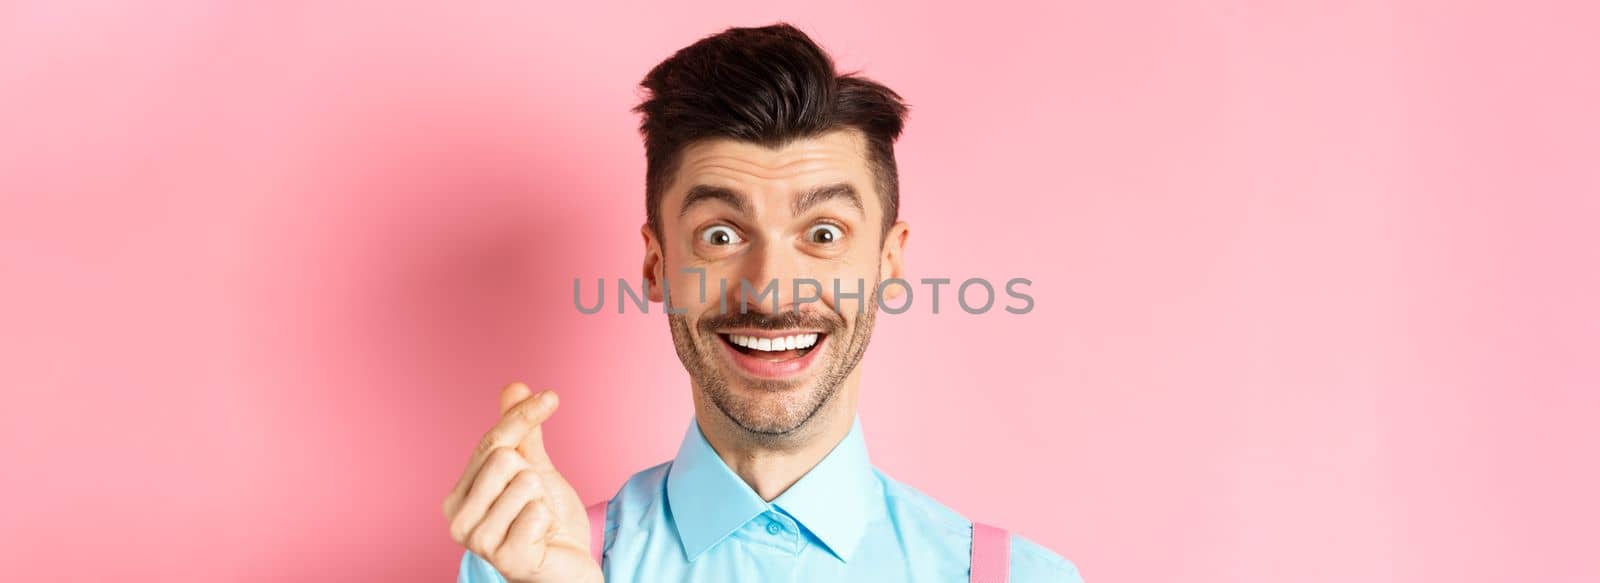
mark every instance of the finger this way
{"type": "Point", "coordinates": [512, 394]}
{"type": "Point", "coordinates": [510, 431]}
{"type": "Point", "coordinates": [528, 535]}
{"type": "Point", "coordinates": [502, 466]}
{"type": "Point", "coordinates": [486, 537]}
{"type": "Point", "coordinates": [532, 443]}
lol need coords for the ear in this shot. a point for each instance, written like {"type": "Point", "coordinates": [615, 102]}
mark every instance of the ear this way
{"type": "Point", "coordinates": [653, 262]}
{"type": "Point", "coordinates": [892, 263]}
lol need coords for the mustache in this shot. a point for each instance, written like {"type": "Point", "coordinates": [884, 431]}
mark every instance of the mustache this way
{"type": "Point", "coordinates": [825, 322]}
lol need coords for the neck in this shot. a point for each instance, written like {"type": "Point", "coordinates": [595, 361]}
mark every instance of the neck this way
{"type": "Point", "coordinates": [771, 466]}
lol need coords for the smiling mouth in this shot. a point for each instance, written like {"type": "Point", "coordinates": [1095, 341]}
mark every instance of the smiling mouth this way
{"type": "Point", "coordinates": [773, 348]}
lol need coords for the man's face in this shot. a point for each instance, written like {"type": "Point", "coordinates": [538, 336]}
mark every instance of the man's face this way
{"type": "Point", "coordinates": [754, 216]}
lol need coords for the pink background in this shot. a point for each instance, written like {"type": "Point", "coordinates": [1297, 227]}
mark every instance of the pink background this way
{"type": "Point", "coordinates": [1316, 282]}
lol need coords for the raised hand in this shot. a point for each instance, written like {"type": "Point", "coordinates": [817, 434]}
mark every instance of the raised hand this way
{"type": "Point", "coordinates": [513, 509]}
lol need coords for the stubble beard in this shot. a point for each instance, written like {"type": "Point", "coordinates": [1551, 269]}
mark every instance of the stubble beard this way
{"type": "Point", "coordinates": [772, 412]}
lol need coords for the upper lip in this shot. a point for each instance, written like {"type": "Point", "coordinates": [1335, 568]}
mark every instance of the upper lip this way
{"type": "Point", "coordinates": [763, 333]}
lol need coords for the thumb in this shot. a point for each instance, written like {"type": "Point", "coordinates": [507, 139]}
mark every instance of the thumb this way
{"type": "Point", "coordinates": [538, 409]}
{"type": "Point", "coordinates": [514, 393]}
{"type": "Point", "coordinates": [528, 414]}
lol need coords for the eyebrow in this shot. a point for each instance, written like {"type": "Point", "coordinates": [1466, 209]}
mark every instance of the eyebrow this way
{"type": "Point", "coordinates": [703, 193]}
{"type": "Point", "coordinates": [826, 193]}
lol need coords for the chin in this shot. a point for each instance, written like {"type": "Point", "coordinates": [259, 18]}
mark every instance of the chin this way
{"type": "Point", "coordinates": [769, 407]}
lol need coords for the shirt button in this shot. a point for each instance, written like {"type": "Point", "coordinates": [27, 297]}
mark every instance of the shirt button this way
{"type": "Point", "coordinates": [774, 528]}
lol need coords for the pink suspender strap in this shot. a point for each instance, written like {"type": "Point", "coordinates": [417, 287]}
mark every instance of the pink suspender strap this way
{"type": "Point", "coordinates": [991, 554]}
{"type": "Point", "coordinates": [597, 530]}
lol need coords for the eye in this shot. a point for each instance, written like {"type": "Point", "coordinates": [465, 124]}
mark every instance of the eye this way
{"type": "Point", "coordinates": [720, 235]}
{"type": "Point", "coordinates": [824, 234]}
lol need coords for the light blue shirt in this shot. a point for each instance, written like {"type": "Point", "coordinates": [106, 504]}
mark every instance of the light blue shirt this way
{"type": "Point", "coordinates": [693, 519]}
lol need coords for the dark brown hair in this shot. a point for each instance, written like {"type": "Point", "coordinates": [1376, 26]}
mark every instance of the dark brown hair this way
{"type": "Point", "coordinates": [767, 85]}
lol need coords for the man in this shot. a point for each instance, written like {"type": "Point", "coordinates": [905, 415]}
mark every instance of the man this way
{"type": "Point", "coordinates": [764, 166]}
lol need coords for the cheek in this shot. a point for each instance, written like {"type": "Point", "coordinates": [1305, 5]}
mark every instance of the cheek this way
{"type": "Point", "coordinates": [846, 286]}
{"type": "Point", "coordinates": [698, 294]}
{"type": "Point", "coordinates": [690, 292]}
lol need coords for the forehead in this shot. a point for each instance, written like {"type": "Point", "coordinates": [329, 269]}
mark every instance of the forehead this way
{"type": "Point", "coordinates": [759, 171]}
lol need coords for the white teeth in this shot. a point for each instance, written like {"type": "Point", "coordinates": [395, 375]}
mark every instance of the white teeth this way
{"type": "Point", "coordinates": [794, 342]}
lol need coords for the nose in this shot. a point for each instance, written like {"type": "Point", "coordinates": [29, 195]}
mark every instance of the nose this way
{"type": "Point", "coordinates": [767, 275]}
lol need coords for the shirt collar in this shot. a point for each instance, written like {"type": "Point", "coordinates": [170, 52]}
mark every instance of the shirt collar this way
{"type": "Point", "coordinates": [834, 500]}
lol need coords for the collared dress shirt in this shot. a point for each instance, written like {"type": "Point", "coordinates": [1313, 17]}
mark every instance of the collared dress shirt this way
{"type": "Point", "coordinates": [693, 519]}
